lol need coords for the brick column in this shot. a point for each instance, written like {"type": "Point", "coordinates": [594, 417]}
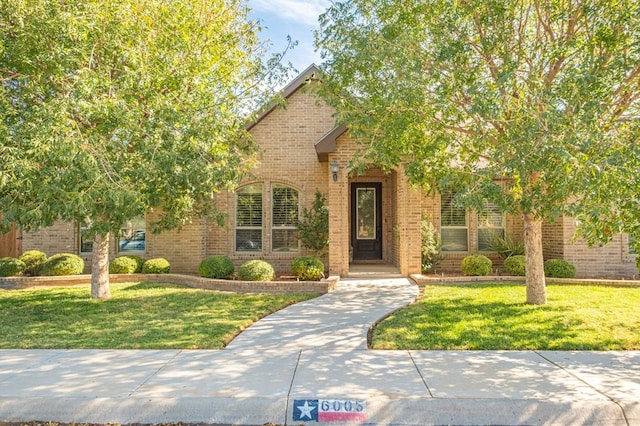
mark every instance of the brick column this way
{"type": "Point", "coordinates": [338, 205]}
{"type": "Point", "coordinates": [408, 212]}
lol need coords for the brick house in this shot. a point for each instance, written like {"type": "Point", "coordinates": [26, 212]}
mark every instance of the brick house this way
{"type": "Point", "coordinates": [374, 218]}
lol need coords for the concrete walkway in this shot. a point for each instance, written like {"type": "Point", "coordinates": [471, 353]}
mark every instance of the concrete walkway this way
{"type": "Point", "coordinates": [308, 364]}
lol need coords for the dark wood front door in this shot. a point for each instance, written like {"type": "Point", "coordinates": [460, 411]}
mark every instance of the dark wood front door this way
{"type": "Point", "coordinates": [366, 221]}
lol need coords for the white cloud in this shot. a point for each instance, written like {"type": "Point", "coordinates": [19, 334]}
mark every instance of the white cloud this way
{"type": "Point", "coordinates": [300, 11]}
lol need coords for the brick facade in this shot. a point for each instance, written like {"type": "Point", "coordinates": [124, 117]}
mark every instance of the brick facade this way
{"type": "Point", "coordinates": [289, 140]}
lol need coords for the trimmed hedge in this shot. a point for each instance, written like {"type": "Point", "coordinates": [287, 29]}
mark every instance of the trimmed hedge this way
{"type": "Point", "coordinates": [558, 268]}
{"type": "Point", "coordinates": [62, 264]}
{"type": "Point", "coordinates": [476, 265]}
{"type": "Point", "coordinates": [515, 265]}
{"type": "Point", "coordinates": [123, 265]}
{"type": "Point", "coordinates": [220, 267]}
{"type": "Point", "coordinates": [33, 259]}
{"type": "Point", "coordinates": [158, 265]}
{"type": "Point", "coordinates": [139, 261]}
{"type": "Point", "coordinates": [307, 268]}
{"type": "Point", "coordinates": [256, 270]}
{"type": "Point", "coordinates": [10, 266]}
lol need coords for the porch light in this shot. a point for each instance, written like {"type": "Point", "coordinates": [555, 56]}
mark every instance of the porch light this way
{"type": "Point", "coordinates": [335, 168]}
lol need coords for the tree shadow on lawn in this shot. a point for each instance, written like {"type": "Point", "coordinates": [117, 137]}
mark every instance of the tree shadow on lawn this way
{"type": "Point", "coordinates": [446, 320]}
{"type": "Point", "coordinates": [147, 316]}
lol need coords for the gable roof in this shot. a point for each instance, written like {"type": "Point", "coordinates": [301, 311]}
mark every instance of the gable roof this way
{"type": "Point", "coordinates": [288, 90]}
{"type": "Point", "coordinates": [327, 143]}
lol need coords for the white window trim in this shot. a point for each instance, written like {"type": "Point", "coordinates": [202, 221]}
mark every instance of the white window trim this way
{"type": "Point", "coordinates": [445, 227]}
{"type": "Point", "coordinates": [282, 227]}
{"type": "Point", "coordinates": [249, 228]}
{"type": "Point", "coordinates": [503, 228]}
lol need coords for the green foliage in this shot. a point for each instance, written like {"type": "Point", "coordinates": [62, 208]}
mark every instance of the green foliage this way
{"type": "Point", "coordinates": [476, 265]}
{"type": "Point", "coordinates": [530, 105]}
{"type": "Point", "coordinates": [220, 267]}
{"type": "Point", "coordinates": [33, 259]}
{"type": "Point", "coordinates": [256, 270]}
{"type": "Point", "coordinates": [139, 262]}
{"type": "Point", "coordinates": [10, 266]}
{"type": "Point", "coordinates": [307, 268]}
{"type": "Point", "coordinates": [313, 227]}
{"type": "Point", "coordinates": [506, 247]}
{"type": "Point", "coordinates": [62, 264]}
{"type": "Point", "coordinates": [112, 108]}
{"type": "Point", "coordinates": [158, 265]}
{"type": "Point", "coordinates": [515, 265]}
{"type": "Point", "coordinates": [123, 265]}
{"type": "Point", "coordinates": [559, 268]}
{"type": "Point", "coordinates": [431, 255]}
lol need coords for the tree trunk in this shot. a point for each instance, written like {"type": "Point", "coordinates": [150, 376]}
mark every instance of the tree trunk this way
{"type": "Point", "coordinates": [536, 286]}
{"type": "Point", "coordinates": [100, 268]}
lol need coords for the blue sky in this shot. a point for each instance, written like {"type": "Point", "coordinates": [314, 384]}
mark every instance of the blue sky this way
{"type": "Point", "coordinates": [296, 18]}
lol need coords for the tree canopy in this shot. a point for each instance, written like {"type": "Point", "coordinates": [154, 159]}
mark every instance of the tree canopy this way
{"type": "Point", "coordinates": [113, 108]}
{"type": "Point", "coordinates": [531, 105]}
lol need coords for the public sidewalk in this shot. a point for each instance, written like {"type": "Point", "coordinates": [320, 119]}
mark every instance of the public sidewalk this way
{"type": "Point", "coordinates": [311, 359]}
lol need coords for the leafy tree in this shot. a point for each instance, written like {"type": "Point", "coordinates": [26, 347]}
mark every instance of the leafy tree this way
{"type": "Point", "coordinates": [532, 105]}
{"type": "Point", "coordinates": [313, 227]}
{"type": "Point", "coordinates": [114, 108]}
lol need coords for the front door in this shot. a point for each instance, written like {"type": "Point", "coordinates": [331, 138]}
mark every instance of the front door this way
{"type": "Point", "coordinates": [366, 221]}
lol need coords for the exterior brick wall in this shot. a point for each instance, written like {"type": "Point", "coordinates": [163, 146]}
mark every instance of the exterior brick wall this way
{"type": "Point", "coordinates": [610, 260]}
{"type": "Point", "coordinates": [183, 248]}
{"type": "Point", "coordinates": [287, 138]}
{"type": "Point", "coordinates": [287, 156]}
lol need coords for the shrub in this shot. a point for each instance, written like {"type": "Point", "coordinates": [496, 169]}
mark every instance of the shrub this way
{"type": "Point", "coordinates": [307, 268]}
{"type": "Point", "coordinates": [515, 265]}
{"type": "Point", "coordinates": [220, 267]}
{"type": "Point", "coordinates": [430, 245]}
{"type": "Point", "coordinates": [256, 270]}
{"type": "Point", "coordinates": [139, 262]}
{"type": "Point", "coordinates": [123, 265]}
{"type": "Point", "coordinates": [62, 264]}
{"type": "Point", "coordinates": [158, 265]}
{"type": "Point", "coordinates": [10, 266]}
{"type": "Point", "coordinates": [33, 259]}
{"type": "Point", "coordinates": [476, 264]}
{"type": "Point", "coordinates": [313, 226]}
{"type": "Point", "coordinates": [558, 268]}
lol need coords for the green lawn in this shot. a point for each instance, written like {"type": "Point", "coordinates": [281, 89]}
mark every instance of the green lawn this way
{"type": "Point", "coordinates": [139, 316]}
{"type": "Point", "coordinates": [494, 316]}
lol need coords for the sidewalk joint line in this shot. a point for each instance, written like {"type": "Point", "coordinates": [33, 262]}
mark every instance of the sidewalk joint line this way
{"type": "Point", "coordinates": [154, 373]}
{"type": "Point", "coordinates": [624, 414]}
{"type": "Point", "coordinates": [293, 378]}
{"type": "Point", "coordinates": [420, 374]}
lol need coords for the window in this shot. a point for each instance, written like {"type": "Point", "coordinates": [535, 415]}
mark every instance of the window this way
{"type": "Point", "coordinates": [249, 218]}
{"type": "Point", "coordinates": [453, 224]}
{"type": "Point", "coordinates": [133, 236]}
{"type": "Point", "coordinates": [490, 225]}
{"type": "Point", "coordinates": [284, 219]}
{"type": "Point", "coordinates": [86, 242]}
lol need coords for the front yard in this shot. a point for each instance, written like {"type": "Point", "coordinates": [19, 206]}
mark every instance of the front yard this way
{"type": "Point", "coordinates": [139, 316]}
{"type": "Point", "coordinates": [494, 317]}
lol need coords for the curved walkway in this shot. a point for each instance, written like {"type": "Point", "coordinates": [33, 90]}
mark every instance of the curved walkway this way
{"type": "Point", "coordinates": [308, 364]}
{"type": "Point", "coordinates": [337, 320]}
